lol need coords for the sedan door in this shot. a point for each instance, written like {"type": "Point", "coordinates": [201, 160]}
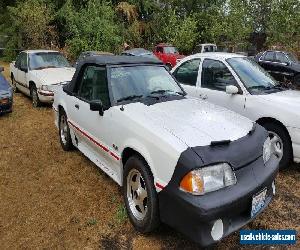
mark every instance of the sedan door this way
{"type": "Point", "coordinates": [93, 131]}
{"type": "Point", "coordinates": [22, 72]}
{"type": "Point", "coordinates": [187, 75]}
{"type": "Point", "coordinates": [215, 77]}
{"type": "Point", "coordinates": [268, 62]}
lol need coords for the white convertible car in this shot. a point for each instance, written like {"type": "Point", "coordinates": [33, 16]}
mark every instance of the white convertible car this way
{"type": "Point", "coordinates": [37, 73]}
{"type": "Point", "coordinates": [239, 84]}
{"type": "Point", "coordinates": [200, 168]}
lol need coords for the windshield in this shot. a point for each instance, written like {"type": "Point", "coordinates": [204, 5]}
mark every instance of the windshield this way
{"type": "Point", "coordinates": [48, 60]}
{"type": "Point", "coordinates": [134, 83]}
{"type": "Point", "coordinates": [170, 50]}
{"type": "Point", "coordinates": [255, 78]}
{"type": "Point", "coordinates": [292, 57]}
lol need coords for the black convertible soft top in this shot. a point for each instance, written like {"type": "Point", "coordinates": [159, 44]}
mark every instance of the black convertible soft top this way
{"type": "Point", "coordinates": [118, 60]}
{"type": "Point", "coordinates": [104, 60]}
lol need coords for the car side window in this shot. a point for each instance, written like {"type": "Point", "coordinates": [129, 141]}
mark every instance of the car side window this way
{"type": "Point", "coordinates": [159, 49]}
{"type": "Point", "coordinates": [280, 57]}
{"type": "Point", "coordinates": [22, 61]}
{"type": "Point", "coordinates": [269, 56]}
{"type": "Point", "coordinates": [216, 75]}
{"type": "Point", "coordinates": [187, 73]}
{"type": "Point", "coordinates": [93, 85]}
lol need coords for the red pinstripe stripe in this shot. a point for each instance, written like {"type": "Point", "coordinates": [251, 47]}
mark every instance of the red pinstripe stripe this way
{"type": "Point", "coordinates": [94, 141]}
{"type": "Point", "coordinates": [159, 185]}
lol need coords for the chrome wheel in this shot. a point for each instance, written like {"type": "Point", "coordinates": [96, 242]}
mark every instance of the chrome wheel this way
{"type": "Point", "coordinates": [137, 194]}
{"type": "Point", "coordinates": [277, 144]}
{"type": "Point", "coordinates": [63, 129]}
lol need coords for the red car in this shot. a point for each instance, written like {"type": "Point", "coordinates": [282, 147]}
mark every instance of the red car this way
{"type": "Point", "coordinates": [168, 54]}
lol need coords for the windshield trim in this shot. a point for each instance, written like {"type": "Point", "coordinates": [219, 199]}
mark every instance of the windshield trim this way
{"type": "Point", "coordinates": [115, 103]}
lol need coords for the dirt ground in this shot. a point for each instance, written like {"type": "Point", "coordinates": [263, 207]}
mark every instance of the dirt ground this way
{"type": "Point", "coordinates": [51, 199]}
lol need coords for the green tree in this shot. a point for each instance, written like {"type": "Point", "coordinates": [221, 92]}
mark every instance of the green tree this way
{"type": "Point", "coordinates": [93, 27]}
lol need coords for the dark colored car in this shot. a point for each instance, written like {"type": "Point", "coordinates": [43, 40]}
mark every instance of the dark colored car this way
{"type": "Point", "coordinates": [6, 95]}
{"type": "Point", "coordinates": [139, 52]}
{"type": "Point", "coordinates": [282, 65]}
{"type": "Point", "coordinates": [85, 54]}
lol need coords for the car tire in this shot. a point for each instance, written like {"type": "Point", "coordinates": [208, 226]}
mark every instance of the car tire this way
{"type": "Point", "coordinates": [297, 81]}
{"type": "Point", "coordinates": [140, 196]}
{"type": "Point", "coordinates": [282, 143]}
{"type": "Point", "coordinates": [35, 97]}
{"type": "Point", "coordinates": [64, 132]}
{"type": "Point", "coordinates": [14, 84]}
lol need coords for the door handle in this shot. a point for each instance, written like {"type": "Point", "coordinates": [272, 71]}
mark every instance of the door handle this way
{"type": "Point", "coordinates": [203, 96]}
{"type": "Point", "coordinates": [77, 106]}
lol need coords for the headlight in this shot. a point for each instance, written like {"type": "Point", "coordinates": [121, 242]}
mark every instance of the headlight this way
{"type": "Point", "coordinates": [208, 179]}
{"type": "Point", "coordinates": [267, 150]}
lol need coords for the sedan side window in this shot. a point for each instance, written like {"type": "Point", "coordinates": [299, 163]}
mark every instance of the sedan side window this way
{"type": "Point", "coordinates": [187, 73]}
{"type": "Point", "coordinates": [269, 56]}
{"type": "Point", "coordinates": [93, 86]}
{"type": "Point", "coordinates": [216, 76]}
{"type": "Point", "coordinates": [280, 57]}
{"type": "Point", "coordinates": [23, 65]}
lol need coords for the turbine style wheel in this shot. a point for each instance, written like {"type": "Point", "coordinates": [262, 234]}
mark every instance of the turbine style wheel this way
{"type": "Point", "coordinates": [140, 196]}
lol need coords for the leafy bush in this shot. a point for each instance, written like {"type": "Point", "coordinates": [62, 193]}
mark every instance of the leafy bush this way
{"type": "Point", "coordinates": [93, 27]}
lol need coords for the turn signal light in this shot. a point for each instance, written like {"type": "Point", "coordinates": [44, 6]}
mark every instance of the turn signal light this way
{"type": "Point", "coordinates": [192, 183]}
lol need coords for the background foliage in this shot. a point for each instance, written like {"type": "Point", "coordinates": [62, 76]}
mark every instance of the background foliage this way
{"type": "Point", "coordinates": [77, 25]}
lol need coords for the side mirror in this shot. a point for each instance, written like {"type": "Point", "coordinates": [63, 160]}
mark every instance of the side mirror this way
{"type": "Point", "coordinates": [1, 68]}
{"type": "Point", "coordinates": [97, 106]}
{"type": "Point", "coordinates": [24, 70]}
{"type": "Point", "coordinates": [232, 90]}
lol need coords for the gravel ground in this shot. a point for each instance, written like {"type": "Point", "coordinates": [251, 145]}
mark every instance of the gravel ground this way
{"type": "Point", "coordinates": [53, 199]}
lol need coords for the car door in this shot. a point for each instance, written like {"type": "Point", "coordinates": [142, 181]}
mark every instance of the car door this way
{"type": "Point", "coordinates": [215, 77]}
{"type": "Point", "coordinates": [282, 67]}
{"type": "Point", "coordinates": [22, 72]}
{"type": "Point", "coordinates": [93, 131]}
{"type": "Point", "coordinates": [267, 61]}
{"type": "Point", "coordinates": [187, 75]}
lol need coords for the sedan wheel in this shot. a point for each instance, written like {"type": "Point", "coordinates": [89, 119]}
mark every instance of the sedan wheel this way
{"type": "Point", "coordinates": [281, 143]}
{"type": "Point", "coordinates": [140, 195]}
{"type": "Point", "coordinates": [277, 144]}
{"type": "Point", "coordinates": [137, 194]}
{"type": "Point", "coordinates": [64, 132]}
{"type": "Point", "coordinates": [63, 129]}
{"type": "Point", "coordinates": [14, 84]}
{"type": "Point", "coordinates": [35, 98]}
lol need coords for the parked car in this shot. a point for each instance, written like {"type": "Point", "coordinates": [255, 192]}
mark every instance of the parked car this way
{"type": "Point", "coordinates": [37, 73]}
{"type": "Point", "coordinates": [91, 53]}
{"type": "Point", "coordinates": [139, 52]}
{"type": "Point", "coordinates": [239, 84]}
{"type": "Point", "coordinates": [168, 54]}
{"type": "Point", "coordinates": [282, 65]}
{"type": "Point", "coordinates": [6, 95]}
{"type": "Point", "coordinates": [172, 154]}
{"type": "Point", "coordinates": [206, 47]}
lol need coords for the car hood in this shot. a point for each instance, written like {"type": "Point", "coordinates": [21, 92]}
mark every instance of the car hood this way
{"type": "Point", "coordinates": [52, 76]}
{"type": "Point", "coordinates": [193, 121]}
{"type": "Point", "coordinates": [288, 97]}
{"type": "Point", "coordinates": [4, 85]}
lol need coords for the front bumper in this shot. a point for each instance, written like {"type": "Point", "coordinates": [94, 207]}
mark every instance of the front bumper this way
{"type": "Point", "coordinates": [46, 96]}
{"type": "Point", "coordinates": [295, 137]}
{"type": "Point", "coordinates": [194, 216]}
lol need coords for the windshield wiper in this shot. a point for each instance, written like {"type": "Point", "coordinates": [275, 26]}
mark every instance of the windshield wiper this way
{"type": "Point", "coordinates": [45, 67]}
{"type": "Point", "coordinates": [163, 91]}
{"type": "Point", "coordinates": [129, 98]}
